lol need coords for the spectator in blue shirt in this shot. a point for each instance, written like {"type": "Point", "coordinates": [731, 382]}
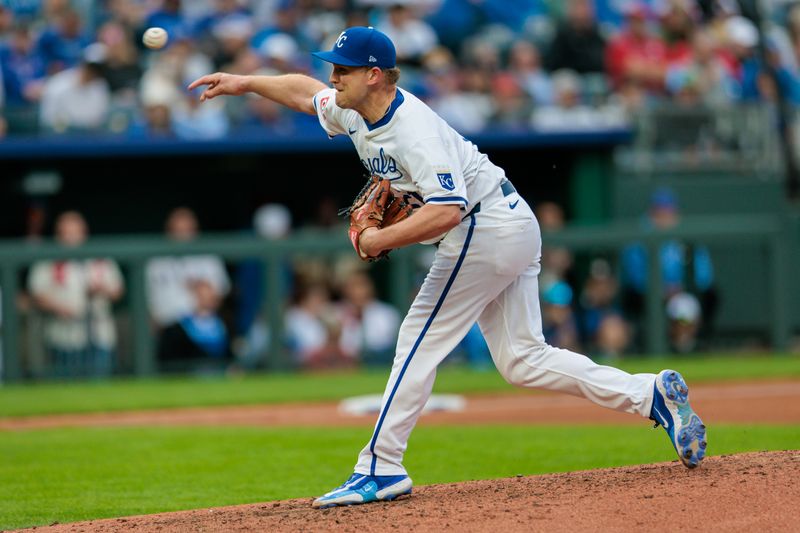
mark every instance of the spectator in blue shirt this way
{"type": "Point", "coordinates": [684, 267]}
{"type": "Point", "coordinates": [455, 20]}
{"type": "Point", "coordinates": [753, 76]}
{"type": "Point", "coordinates": [61, 45]}
{"type": "Point", "coordinates": [223, 11]}
{"type": "Point", "coordinates": [514, 14]}
{"type": "Point", "coordinates": [169, 17]}
{"type": "Point", "coordinates": [558, 320]}
{"type": "Point", "coordinates": [663, 215]}
{"type": "Point", "coordinates": [287, 21]}
{"type": "Point", "coordinates": [23, 69]}
{"type": "Point", "coordinates": [23, 10]}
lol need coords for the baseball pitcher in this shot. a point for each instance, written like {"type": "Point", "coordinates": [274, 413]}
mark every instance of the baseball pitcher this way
{"type": "Point", "coordinates": [485, 269]}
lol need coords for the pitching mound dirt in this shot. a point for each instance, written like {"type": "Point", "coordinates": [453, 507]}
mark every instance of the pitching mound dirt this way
{"type": "Point", "coordinates": [743, 492]}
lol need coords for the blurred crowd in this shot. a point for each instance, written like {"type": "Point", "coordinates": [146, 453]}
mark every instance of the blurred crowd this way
{"type": "Point", "coordinates": [208, 315]}
{"type": "Point", "coordinates": [79, 65]}
{"type": "Point", "coordinates": [76, 66]}
{"type": "Point", "coordinates": [205, 315]}
{"type": "Point", "coordinates": [601, 312]}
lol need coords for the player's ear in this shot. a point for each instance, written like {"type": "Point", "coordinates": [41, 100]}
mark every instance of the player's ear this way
{"type": "Point", "coordinates": [375, 75]}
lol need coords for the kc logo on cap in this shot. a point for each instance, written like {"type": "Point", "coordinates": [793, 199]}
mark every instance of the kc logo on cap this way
{"type": "Point", "coordinates": [361, 46]}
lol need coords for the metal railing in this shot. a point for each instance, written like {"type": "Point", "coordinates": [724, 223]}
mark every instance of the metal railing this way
{"type": "Point", "coordinates": [771, 232]}
{"type": "Point", "coordinates": [738, 139]}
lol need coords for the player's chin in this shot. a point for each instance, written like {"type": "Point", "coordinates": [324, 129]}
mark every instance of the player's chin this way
{"type": "Point", "coordinates": [341, 99]}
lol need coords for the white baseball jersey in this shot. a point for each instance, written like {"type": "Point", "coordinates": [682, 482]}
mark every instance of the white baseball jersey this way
{"type": "Point", "coordinates": [485, 269]}
{"type": "Point", "coordinates": [425, 159]}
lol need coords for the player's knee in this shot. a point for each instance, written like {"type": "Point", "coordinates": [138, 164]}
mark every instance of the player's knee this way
{"type": "Point", "coordinates": [517, 375]}
{"type": "Point", "coordinates": [524, 369]}
{"type": "Point", "coordinates": [511, 377]}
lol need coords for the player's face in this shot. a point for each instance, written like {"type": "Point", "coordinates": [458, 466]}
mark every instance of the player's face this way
{"type": "Point", "coordinates": [350, 84]}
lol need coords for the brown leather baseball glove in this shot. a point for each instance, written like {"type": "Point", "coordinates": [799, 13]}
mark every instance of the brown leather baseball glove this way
{"type": "Point", "coordinates": [374, 207]}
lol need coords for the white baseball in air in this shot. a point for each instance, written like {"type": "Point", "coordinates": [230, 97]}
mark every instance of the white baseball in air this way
{"type": "Point", "coordinates": [155, 38]}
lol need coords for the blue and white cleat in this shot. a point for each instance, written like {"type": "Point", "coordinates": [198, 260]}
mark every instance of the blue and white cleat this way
{"type": "Point", "coordinates": [671, 410]}
{"type": "Point", "coordinates": [361, 488]}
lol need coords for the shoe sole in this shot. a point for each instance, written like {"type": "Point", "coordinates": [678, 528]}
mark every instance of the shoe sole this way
{"type": "Point", "coordinates": [690, 441]}
{"type": "Point", "coordinates": [402, 488]}
{"type": "Point", "coordinates": [350, 504]}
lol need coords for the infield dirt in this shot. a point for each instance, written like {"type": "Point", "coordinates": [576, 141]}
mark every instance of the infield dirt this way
{"type": "Point", "coordinates": [742, 492]}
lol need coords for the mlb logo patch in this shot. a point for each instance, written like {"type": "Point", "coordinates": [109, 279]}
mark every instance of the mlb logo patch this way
{"type": "Point", "coordinates": [446, 180]}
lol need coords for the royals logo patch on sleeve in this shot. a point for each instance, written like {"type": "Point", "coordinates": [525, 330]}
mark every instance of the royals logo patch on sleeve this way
{"type": "Point", "coordinates": [323, 104]}
{"type": "Point", "coordinates": [446, 180]}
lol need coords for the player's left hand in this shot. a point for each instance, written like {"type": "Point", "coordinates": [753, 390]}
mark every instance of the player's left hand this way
{"type": "Point", "coordinates": [375, 207]}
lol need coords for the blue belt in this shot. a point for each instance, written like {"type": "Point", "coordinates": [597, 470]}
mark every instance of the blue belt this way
{"type": "Point", "coordinates": [506, 187]}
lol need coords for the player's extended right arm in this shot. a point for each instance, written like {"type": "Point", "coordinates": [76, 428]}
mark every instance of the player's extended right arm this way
{"type": "Point", "coordinates": [295, 91]}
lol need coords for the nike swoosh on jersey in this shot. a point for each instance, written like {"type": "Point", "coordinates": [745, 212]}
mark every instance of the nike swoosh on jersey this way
{"type": "Point", "coordinates": [512, 206]}
{"type": "Point", "coordinates": [352, 131]}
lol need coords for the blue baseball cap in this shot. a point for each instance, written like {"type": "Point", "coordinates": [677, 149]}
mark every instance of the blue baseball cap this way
{"type": "Point", "coordinates": [361, 46]}
{"type": "Point", "coordinates": [664, 198]}
{"type": "Point", "coordinates": [559, 293]}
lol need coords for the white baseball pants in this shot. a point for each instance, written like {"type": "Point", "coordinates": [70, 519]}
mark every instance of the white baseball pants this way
{"type": "Point", "coordinates": [486, 270]}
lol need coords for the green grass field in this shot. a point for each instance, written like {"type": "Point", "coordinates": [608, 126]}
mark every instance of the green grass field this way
{"type": "Point", "coordinates": [126, 394]}
{"type": "Point", "coordinates": [76, 474]}
{"type": "Point", "coordinates": [83, 473]}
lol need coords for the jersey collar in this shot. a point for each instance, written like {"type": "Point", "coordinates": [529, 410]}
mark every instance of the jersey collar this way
{"type": "Point", "coordinates": [398, 99]}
